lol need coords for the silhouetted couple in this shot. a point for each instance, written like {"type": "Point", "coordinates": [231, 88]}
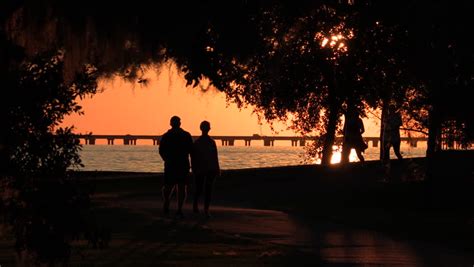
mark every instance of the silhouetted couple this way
{"type": "Point", "coordinates": [354, 128]}
{"type": "Point", "coordinates": [176, 146]}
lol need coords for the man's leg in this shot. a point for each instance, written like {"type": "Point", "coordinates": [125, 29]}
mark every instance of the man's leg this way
{"type": "Point", "coordinates": [166, 192]}
{"type": "Point", "coordinates": [181, 194]}
{"type": "Point", "coordinates": [198, 185]}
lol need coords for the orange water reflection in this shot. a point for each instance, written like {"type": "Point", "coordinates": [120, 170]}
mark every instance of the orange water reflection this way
{"type": "Point", "coordinates": [336, 156]}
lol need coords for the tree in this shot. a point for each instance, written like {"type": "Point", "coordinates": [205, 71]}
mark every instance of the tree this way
{"type": "Point", "coordinates": [45, 206]}
{"type": "Point", "coordinates": [441, 56]}
{"type": "Point", "coordinates": [225, 44]}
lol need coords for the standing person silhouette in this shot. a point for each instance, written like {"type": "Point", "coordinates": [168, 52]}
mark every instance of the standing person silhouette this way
{"type": "Point", "coordinates": [353, 130]}
{"type": "Point", "coordinates": [175, 148]}
{"type": "Point", "coordinates": [392, 133]}
{"type": "Point", "coordinates": [205, 167]}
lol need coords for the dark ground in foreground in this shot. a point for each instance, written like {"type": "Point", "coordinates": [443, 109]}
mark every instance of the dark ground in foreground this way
{"type": "Point", "coordinates": [292, 216]}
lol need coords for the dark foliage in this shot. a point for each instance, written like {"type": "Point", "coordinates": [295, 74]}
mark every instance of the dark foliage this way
{"type": "Point", "coordinates": [269, 54]}
{"type": "Point", "coordinates": [44, 205]}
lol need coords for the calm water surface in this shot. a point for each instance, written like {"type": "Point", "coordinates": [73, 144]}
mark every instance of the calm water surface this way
{"type": "Point", "coordinates": [145, 158]}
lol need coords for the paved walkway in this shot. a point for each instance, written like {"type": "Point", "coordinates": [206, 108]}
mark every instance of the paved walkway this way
{"type": "Point", "coordinates": [242, 237]}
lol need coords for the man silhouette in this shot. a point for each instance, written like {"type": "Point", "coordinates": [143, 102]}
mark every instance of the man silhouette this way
{"type": "Point", "coordinates": [353, 130]}
{"type": "Point", "coordinates": [175, 148]}
{"type": "Point", "coordinates": [391, 137]}
{"type": "Point", "coordinates": [205, 166]}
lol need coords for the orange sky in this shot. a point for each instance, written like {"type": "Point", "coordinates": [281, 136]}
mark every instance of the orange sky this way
{"type": "Point", "coordinates": [123, 108]}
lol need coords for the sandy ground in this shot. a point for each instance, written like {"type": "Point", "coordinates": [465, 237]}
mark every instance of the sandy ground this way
{"type": "Point", "coordinates": [289, 216]}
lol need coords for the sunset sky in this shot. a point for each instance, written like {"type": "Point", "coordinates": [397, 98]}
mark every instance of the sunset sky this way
{"type": "Point", "coordinates": [125, 108]}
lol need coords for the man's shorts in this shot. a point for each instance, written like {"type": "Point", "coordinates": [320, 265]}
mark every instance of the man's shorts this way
{"type": "Point", "coordinates": [176, 176]}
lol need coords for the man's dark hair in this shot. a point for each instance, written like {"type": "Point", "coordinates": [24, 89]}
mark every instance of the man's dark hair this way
{"type": "Point", "coordinates": [175, 122]}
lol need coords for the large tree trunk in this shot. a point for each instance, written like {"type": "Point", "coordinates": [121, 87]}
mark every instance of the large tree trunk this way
{"type": "Point", "coordinates": [434, 132]}
{"type": "Point", "coordinates": [3, 110]}
{"type": "Point", "coordinates": [434, 122]}
{"type": "Point", "coordinates": [333, 112]}
{"type": "Point", "coordinates": [3, 150]}
{"type": "Point", "coordinates": [333, 116]}
{"type": "Point", "coordinates": [10, 58]}
{"type": "Point", "coordinates": [383, 124]}
{"type": "Point", "coordinates": [434, 143]}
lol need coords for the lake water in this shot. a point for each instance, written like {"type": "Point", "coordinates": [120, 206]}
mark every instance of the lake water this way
{"type": "Point", "coordinates": [145, 158]}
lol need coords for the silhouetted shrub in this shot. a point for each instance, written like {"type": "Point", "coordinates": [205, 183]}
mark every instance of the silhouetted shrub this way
{"type": "Point", "coordinates": [46, 207]}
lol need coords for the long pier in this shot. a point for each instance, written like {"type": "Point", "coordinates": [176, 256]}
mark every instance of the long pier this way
{"type": "Point", "coordinates": [230, 140]}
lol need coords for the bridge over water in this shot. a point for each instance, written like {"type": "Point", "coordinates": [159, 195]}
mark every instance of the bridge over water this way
{"type": "Point", "coordinates": [230, 140]}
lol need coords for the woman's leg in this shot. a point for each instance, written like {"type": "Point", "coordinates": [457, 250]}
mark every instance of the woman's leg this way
{"type": "Point", "coordinates": [396, 149]}
{"type": "Point", "coordinates": [208, 194]}
{"type": "Point", "coordinates": [359, 155]}
{"type": "Point", "coordinates": [198, 185]}
{"type": "Point", "coordinates": [181, 194]}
